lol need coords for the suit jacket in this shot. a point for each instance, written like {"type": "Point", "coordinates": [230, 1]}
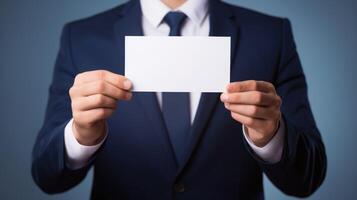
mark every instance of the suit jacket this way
{"type": "Point", "coordinates": [137, 159]}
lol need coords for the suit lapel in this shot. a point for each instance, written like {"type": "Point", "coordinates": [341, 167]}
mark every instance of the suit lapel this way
{"type": "Point", "coordinates": [221, 24]}
{"type": "Point", "coordinates": [130, 25]}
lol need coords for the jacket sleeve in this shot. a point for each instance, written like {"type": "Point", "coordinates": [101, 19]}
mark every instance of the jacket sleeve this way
{"type": "Point", "coordinates": [49, 169]}
{"type": "Point", "coordinates": [302, 167]}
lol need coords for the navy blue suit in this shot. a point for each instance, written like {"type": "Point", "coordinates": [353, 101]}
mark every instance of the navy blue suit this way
{"type": "Point", "coordinates": [137, 160]}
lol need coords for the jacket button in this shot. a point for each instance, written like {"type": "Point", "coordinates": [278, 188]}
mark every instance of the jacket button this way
{"type": "Point", "coordinates": [179, 187]}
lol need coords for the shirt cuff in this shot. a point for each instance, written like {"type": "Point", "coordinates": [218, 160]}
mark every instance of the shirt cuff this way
{"type": "Point", "coordinates": [78, 155]}
{"type": "Point", "coordinates": [271, 152]}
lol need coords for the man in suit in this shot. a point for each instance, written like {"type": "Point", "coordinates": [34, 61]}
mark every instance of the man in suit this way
{"type": "Point", "coordinates": [179, 145]}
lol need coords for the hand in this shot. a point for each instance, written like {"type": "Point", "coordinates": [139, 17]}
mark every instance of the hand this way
{"type": "Point", "coordinates": [94, 97]}
{"type": "Point", "coordinates": [256, 105]}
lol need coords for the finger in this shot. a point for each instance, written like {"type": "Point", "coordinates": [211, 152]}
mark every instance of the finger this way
{"type": "Point", "coordinates": [93, 102]}
{"type": "Point", "coordinates": [100, 87]}
{"type": "Point", "coordinates": [115, 79]}
{"type": "Point", "coordinates": [250, 98]}
{"type": "Point", "coordinates": [118, 80]}
{"type": "Point", "coordinates": [89, 76]}
{"type": "Point", "coordinates": [94, 115]}
{"type": "Point", "coordinates": [251, 85]}
{"type": "Point", "coordinates": [253, 111]}
{"type": "Point", "coordinates": [249, 121]}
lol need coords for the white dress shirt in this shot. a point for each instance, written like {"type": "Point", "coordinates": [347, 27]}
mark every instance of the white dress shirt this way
{"type": "Point", "coordinates": [196, 24]}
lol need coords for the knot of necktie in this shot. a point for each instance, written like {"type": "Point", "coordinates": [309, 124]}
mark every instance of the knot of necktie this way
{"type": "Point", "coordinates": [175, 20]}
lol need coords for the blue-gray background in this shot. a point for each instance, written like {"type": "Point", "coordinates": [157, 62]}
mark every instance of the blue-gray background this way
{"type": "Point", "coordinates": [325, 32]}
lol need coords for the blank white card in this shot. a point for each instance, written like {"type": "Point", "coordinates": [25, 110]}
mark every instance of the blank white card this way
{"type": "Point", "coordinates": [177, 64]}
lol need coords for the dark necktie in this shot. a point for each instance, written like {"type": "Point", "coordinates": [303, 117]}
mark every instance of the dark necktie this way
{"type": "Point", "coordinates": [176, 106]}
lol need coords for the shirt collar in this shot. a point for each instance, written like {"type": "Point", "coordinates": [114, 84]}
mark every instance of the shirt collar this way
{"type": "Point", "coordinates": [154, 10]}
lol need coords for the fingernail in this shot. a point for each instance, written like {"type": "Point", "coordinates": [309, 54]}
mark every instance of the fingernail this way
{"type": "Point", "coordinates": [226, 105]}
{"type": "Point", "coordinates": [224, 97]}
{"type": "Point", "coordinates": [127, 84]}
{"type": "Point", "coordinates": [227, 88]}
